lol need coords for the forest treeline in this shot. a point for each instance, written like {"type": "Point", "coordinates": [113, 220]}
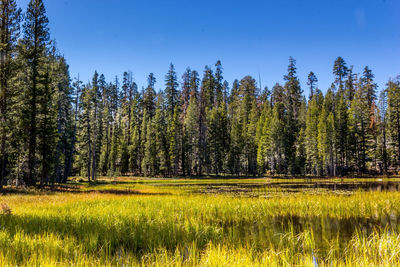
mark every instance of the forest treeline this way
{"type": "Point", "coordinates": [52, 127]}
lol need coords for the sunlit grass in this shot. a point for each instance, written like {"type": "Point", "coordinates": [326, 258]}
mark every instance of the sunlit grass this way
{"type": "Point", "coordinates": [153, 223]}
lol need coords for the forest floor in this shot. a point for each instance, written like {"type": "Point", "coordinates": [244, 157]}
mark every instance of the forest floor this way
{"type": "Point", "coordinates": [203, 222]}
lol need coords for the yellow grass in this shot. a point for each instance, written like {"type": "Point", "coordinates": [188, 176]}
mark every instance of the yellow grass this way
{"type": "Point", "coordinates": [157, 224]}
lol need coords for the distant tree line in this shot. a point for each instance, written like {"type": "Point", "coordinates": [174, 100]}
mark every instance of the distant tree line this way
{"type": "Point", "coordinates": [52, 127]}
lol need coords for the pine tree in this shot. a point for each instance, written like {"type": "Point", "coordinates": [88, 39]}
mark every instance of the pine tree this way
{"type": "Point", "coordinates": [47, 126]}
{"type": "Point", "coordinates": [359, 122]}
{"type": "Point", "coordinates": [85, 134]}
{"type": "Point", "coordinates": [326, 131]}
{"type": "Point", "coordinates": [34, 48]}
{"type": "Point", "coordinates": [311, 134]}
{"type": "Point", "coordinates": [115, 147]}
{"type": "Point", "coordinates": [191, 126]}
{"type": "Point", "coordinates": [292, 100]}
{"type": "Point", "coordinates": [340, 71]}
{"type": "Point", "coordinates": [206, 102]}
{"type": "Point", "coordinates": [236, 146]}
{"type": "Point", "coordinates": [383, 118]}
{"type": "Point", "coordinates": [185, 101]}
{"type": "Point", "coordinates": [174, 147]}
{"type": "Point", "coordinates": [218, 136]}
{"type": "Point", "coordinates": [367, 81]}
{"type": "Point", "coordinates": [248, 116]}
{"type": "Point", "coordinates": [149, 163]}
{"type": "Point", "coordinates": [175, 141]}
{"type": "Point", "coordinates": [219, 87]}
{"type": "Point", "coordinates": [371, 134]}
{"type": "Point", "coordinates": [218, 125]}
{"type": "Point", "coordinates": [234, 129]}
{"type": "Point", "coordinates": [129, 90]}
{"type": "Point", "coordinates": [72, 149]}
{"type": "Point", "coordinates": [278, 139]}
{"type": "Point", "coordinates": [165, 150]}
{"type": "Point", "coordinates": [263, 139]}
{"type": "Point", "coordinates": [65, 123]}
{"type": "Point", "coordinates": [185, 96]}
{"type": "Point", "coordinates": [149, 96]}
{"type": "Point", "coordinates": [107, 118]}
{"type": "Point", "coordinates": [208, 88]}
{"type": "Point", "coordinates": [134, 149]}
{"type": "Point", "coordinates": [10, 17]}
{"type": "Point", "coordinates": [250, 142]}
{"type": "Point", "coordinates": [97, 123]}
{"type": "Point", "coordinates": [342, 129]}
{"type": "Point", "coordinates": [171, 90]}
{"type": "Point", "coordinates": [312, 82]}
{"type": "Point", "coordinates": [393, 88]}
{"type": "Point", "coordinates": [350, 84]}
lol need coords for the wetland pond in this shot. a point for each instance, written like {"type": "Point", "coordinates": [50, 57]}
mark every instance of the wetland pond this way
{"type": "Point", "coordinates": [326, 230]}
{"type": "Point", "coordinates": [262, 187]}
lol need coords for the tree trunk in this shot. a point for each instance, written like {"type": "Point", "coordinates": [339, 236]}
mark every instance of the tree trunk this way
{"type": "Point", "coordinates": [385, 168]}
{"type": "Point", "coordinates": [398, 133]}
{"type": "Point", "coordinates": [58, 148]}
{"type": "Point", "coordinates": [363, 148]}
{"type": "Point", "coordinates": [94, 144]}
{"type": "Point", "coordinates": [89, 149]}
{"type": "Point", "coordinates": [32, 130]}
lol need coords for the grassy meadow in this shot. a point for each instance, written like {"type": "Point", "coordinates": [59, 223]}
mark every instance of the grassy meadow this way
{"type": "Point", "coordinates": [177, 222]}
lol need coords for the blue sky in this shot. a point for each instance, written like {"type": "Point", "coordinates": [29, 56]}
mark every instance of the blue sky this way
{"type": "Point", "coordinates": [249, 37]}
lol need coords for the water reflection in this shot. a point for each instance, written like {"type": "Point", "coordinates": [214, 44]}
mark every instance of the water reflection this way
{"type": "Point", "coordinates": [258, 188]}
{"type": "Point", "coordinates": [342, 186]}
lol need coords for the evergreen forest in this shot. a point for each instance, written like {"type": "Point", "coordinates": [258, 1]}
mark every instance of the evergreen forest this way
{"type": "Point", "coordinates": [196, 123]}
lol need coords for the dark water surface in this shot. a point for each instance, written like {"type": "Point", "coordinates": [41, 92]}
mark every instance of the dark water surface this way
{"type": "Point", "coordinates": [326, 230]}
{"type": "Point", "coordinates": [257, 188]}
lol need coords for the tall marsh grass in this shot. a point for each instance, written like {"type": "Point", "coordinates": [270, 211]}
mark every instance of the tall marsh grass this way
{"type": "Point", "coordinates": [91, 229]}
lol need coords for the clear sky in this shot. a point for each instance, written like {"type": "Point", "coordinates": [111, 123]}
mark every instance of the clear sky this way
{"type": "Point", "coordinates": [249, 37]}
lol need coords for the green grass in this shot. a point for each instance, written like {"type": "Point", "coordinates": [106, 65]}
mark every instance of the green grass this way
{"type": "Point", "coordinates": [164, 222]}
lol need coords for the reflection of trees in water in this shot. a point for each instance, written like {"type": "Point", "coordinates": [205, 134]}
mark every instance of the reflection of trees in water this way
{"type": "Point", "coordinates": [243, 188]}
